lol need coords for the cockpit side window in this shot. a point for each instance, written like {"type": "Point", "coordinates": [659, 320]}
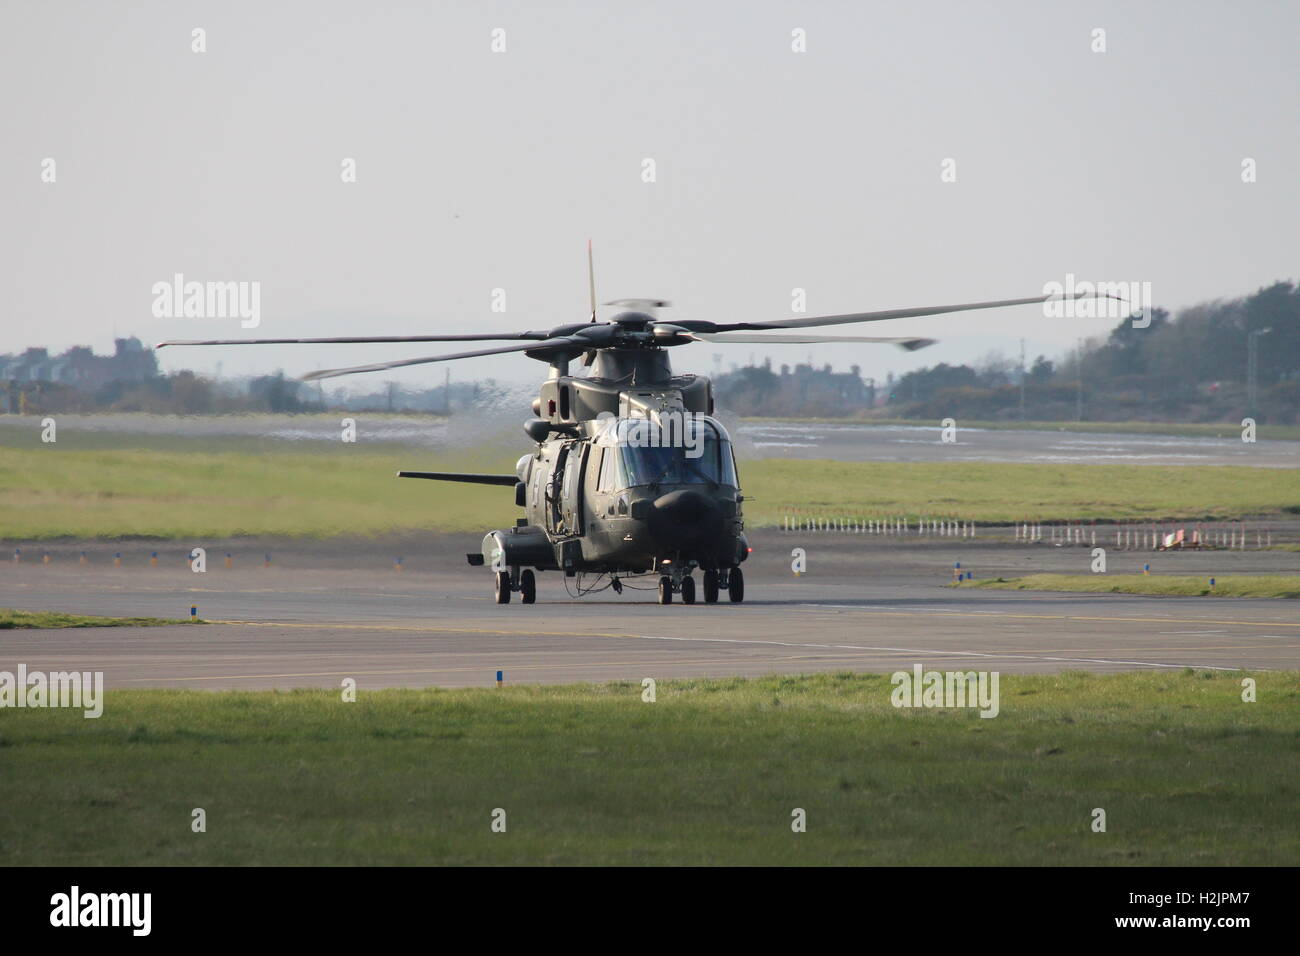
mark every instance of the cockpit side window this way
{"type": "Point", "coordinates": [605, 483]}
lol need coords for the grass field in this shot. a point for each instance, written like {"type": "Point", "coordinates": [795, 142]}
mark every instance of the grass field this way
{"type": "Point", "coordinates": [186, 488]}
{"type": "Point", "coordinates": [11, 619]}
{"type": "Point", "coordinates": [710, 773]}
{"type": "Point", "coordinates": [1252, 586]}
{"type": "Point", "coordinates": [1003, 493]}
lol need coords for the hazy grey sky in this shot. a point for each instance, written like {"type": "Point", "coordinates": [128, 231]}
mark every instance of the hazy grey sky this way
{"type": "Point", "coordinates": [775, 169]}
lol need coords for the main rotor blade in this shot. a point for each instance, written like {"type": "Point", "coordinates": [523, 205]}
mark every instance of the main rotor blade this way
{"type": "Point", "coordinates": [895, 313]}
{"type": "Point", "coordinates": [402, 363]}
{"type": "Point", "coordinates": [907, 342]}
{"type": "Point", "coordinates": [354, 339]}
{"type": "Point", "coordinates": [461, 476]}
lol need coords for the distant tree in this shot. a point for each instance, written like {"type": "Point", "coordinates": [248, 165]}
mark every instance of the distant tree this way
{"type": "Point", "coordinates": [275, 393]}
{"type": "Point", "coordinates": [921, 384]}
{"type": "Point", "coordinates": [1276, 308]}
{"type": "Point", "coordinates": [996, 368]}
{"type": "Point", "coordinates": [190, 395]}
{"type": "Point", "coordinates": [1041, 371]}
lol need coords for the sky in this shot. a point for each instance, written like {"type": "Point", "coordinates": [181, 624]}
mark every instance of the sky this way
{"type": "Point", "coordinates": [774, 169]}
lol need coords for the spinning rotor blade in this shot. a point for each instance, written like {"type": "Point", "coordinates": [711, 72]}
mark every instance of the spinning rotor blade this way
{"type": "Point", "coordinates": [461, 476]}
{"type": "Point", "coordinates": [545, 344]}
{"type": "Point", "coordinates": [909, 343]}
{"type": "Point", "coordinates": [894, 313]}
{"type": "Point", "coordinates": [640, 305]}
{"type": "Point", "coordinates": [354, 339]}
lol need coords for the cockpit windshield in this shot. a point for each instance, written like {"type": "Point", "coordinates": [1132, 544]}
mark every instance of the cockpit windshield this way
{"type": "Point", "coordinates": [648, 455]}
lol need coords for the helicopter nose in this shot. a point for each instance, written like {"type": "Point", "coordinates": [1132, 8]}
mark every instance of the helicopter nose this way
{"type": "Point", "coordinates": [682, 518]}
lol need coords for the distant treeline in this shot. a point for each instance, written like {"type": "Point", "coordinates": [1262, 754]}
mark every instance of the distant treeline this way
{"type": "Point", "coordinates": [1188, 368]}
{"type": "Point", "coordinates": [1192, 367]}
{"type": "Point", "coordinates": [185, 393]}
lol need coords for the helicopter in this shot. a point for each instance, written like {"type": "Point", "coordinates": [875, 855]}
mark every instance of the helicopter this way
{"type": "Point", "coordinates": [631, 474]}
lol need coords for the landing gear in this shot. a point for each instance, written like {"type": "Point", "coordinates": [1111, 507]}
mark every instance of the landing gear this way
{"type": "Point", "coordinates": [617, 585]}
{"type": "Point", "coordinates": [736, 585]}
{"type": "Point", "coordinates": [528, 587]}
{"type": "Point", "coordinates": [502, 587]}
{"type": "Point", "coordinates": [710, 587]}
{"type": "Point", "coordinates": [665, 590]}
{"type": "Point", "coordinates": [688, 590]}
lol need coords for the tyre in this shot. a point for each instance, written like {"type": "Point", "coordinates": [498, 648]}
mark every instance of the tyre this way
{"type": "Point", "coordinates": [710, 587]}
{"type": "Point", "coordinates": [736, 585]}
{"type": "Point", "coordinates": [528, 587]}
{"type": "Point", "coordinates": [688, 590]}
{"type": "Point", "coordinates": [503, 587]}
{"type": "Point", "coordinates": [665, 590]}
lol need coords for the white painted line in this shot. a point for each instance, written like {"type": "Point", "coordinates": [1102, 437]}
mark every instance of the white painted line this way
{"type": "Point", "coordinates": [926, 652]}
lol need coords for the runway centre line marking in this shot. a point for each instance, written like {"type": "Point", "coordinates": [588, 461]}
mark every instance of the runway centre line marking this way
{"type": "Point", "coordinates": [921, 651]}
{"type": "Point", "coordinates": [453, 670]}
{"type": "Point", "coordinates": [839, 647]}
{"type": "Point", "coordinates": [857, 647]}
{"type": "Point", "coordinates": [1028, 617]}
{"type": "Point", "coordinates": [772, 661]}
{"type": "Point", "coordinates": [1062, 617]}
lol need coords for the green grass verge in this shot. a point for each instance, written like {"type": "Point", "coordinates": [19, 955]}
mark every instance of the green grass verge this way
{"type": "Point", "coordinates": [1239, 585]}
{"type": "Point", "coordinates": [588, 774]}
{"type": "Point", "coordinates": [58, 491]}
{"type": "Point", "coordinates": [1006, 492]}
{"type": "Point", "coordinates": [11, 619]}
{"type": "Point", "coordinates": [148, 492]}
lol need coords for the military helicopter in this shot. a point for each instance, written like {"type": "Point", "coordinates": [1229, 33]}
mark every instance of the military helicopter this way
{"type": "Point", "coordinates": [630, 474]}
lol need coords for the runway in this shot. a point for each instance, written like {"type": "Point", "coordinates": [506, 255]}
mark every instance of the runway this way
{"type": "Point", "coordinates": [498, 427]}
{"type": "Point", "coordinates": [327, 611]}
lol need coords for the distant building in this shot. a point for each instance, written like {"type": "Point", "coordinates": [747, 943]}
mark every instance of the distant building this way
{"type": "Point", "coordinates": [803, 390]}
{"type": "Point", "coordinates": [82, 368]}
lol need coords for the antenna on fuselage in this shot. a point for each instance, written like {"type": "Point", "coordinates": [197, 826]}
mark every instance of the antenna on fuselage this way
{"type": "Point", "coordinates": [591, 276]}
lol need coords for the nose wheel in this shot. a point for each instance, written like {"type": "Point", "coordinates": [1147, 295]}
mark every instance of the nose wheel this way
{"type": "Point", "coordinates": [688, 590]}
{"type": "Point", "coordinates": [665, 590]}
{"type": "Point", "coordinates": [525, 582]}
{"type": "Point", "coordinates": [710, 587]}
{"type": "Point", "coordinates": [736, 585]}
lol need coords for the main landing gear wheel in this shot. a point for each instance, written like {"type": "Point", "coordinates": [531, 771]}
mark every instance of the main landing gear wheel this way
{"type": "Point", "coordinates": [736, 586]}
{"type": "Point", "coordinates": [665, 590]}
{"type": "Point", "coordinates": [688, 590]}
{"type": "Point", "coordinates": [503, 587]}
{"type": "Point", "coordinates": [710, 587]}
{"type": "Point", "coordinates": [528, 587]}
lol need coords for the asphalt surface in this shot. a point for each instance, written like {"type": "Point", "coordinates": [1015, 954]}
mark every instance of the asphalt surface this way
{"type": "Point", "coordinates": [859, 442]}
{"type": "Point", "coordinates": [498, 427]}
{"type": "Point", "coordinates": [325, 611]}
